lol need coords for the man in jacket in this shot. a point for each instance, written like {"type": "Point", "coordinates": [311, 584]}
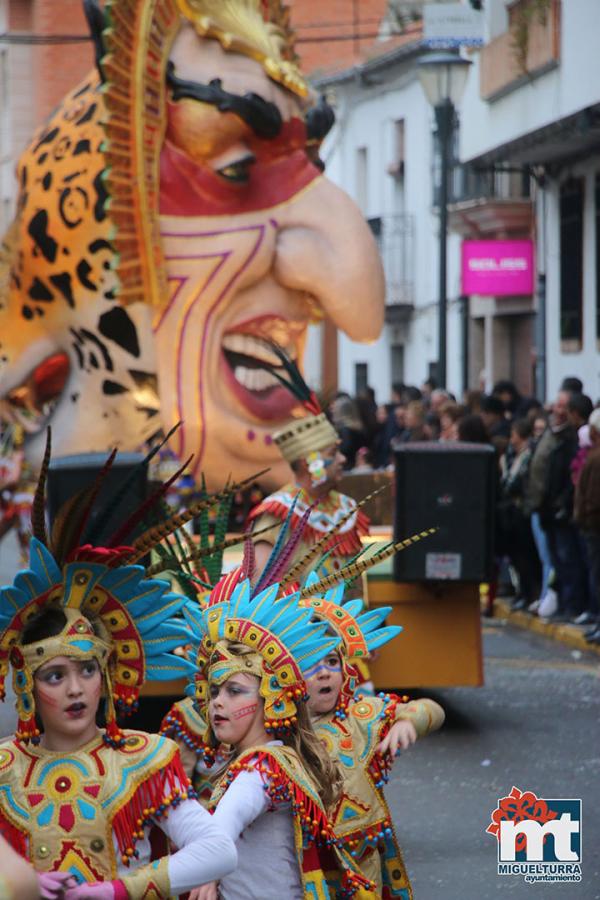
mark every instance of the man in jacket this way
{"type": "Point", "coordinates": [550, 496]}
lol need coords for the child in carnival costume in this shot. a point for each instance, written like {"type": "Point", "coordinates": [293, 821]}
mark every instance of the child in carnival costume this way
{"type": "Point", "coordinates": [272, 799]}
{"type": "Point", "coordinates": [198, 569]}
{"type": "Point", "coordinates": [78, 801]}
{"type": "Point", "coordinates": [362, 733]}
{"type": "Point", "coordinates": [310, 444]}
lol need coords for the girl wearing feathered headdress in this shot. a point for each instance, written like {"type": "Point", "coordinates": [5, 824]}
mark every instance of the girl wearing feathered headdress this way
{"type": "Point", "coordinates": [253, 649]}
{"type": "Point", "coordinates": [79, 801]}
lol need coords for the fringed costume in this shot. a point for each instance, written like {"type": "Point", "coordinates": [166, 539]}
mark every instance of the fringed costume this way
{"type": "Point", "coordinates": [352, 732]}
{"type": "Point", "coordinates": [333, 524]}
{"type": "Point", "coordinates": [323, 516]}
{"type": "Point", "coordinates": [90, 811]}
{"type": "Point", "coordinates": [293, 848]}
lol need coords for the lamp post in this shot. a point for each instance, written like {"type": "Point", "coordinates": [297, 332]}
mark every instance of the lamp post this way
{"type": "Point", "coordinates": [443, 76]}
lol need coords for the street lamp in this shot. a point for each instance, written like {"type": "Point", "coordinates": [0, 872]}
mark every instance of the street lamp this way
{"type": "Point", "coordinates": [443, 76]}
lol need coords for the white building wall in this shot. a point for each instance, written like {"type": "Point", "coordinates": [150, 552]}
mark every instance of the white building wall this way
{"type": "Point", "coordinates": [573, 85]}
{"type": "Point", "coordinates": [584, 363]}
{"type": "Point", "coordinates": [366, 119]}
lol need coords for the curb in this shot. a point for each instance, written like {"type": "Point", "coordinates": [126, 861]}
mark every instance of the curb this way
{"type": "Point", "coordinates": [566, 634]}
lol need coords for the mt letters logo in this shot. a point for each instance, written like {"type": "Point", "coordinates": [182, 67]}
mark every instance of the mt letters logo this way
{"type": "Point", "coordinates": [539, 839]}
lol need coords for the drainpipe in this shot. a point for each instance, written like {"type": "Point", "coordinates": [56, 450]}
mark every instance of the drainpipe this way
{"type": "Point", "coordinates": [540, 320]}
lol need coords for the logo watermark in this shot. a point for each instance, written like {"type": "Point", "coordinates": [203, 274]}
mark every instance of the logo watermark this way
{"type": "Point", "coordinates": [538, 839]}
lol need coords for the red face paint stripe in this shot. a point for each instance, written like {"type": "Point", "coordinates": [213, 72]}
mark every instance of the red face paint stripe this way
{"type": "Point", "coordinates": [245, 711]}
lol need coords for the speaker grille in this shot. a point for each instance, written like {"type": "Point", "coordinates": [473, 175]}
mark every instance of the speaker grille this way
{"type": "Point", "coordinates": [451, 486]}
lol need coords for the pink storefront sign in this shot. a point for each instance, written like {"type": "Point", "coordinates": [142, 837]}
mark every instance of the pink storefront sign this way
{"type": "Point", "coordinates": [497, 268]}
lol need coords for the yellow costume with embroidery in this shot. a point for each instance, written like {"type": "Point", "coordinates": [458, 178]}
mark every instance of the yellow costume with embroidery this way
{"type": "Point", "coordinates": [362, 818]}
{"type": "Point", "coordinates": [324, 868]}
{"type": "Point", "coordinates": [280, 642]}
{"type": "Point", "coordinates": [83, 811]}
{"type": "Point", "coordinates": [353, 730]}
{"type": "Point", "coordinates": [89, 810]}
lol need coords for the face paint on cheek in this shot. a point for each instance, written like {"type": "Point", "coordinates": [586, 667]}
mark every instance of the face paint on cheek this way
{"type": "Point", "coordinates": [245, 711]}
{"type": "Point", "coordinates": [48, 698]}
{"type": "Point", "coordinates": [322, 667]}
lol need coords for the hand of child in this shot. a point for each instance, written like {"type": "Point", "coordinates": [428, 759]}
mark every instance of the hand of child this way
{"type": "Point", "coordinates": [53, 885]}
{"type": "Point", "coordinates": [401, 735]}
{"type": "Point", "coordinates": [205, 892]}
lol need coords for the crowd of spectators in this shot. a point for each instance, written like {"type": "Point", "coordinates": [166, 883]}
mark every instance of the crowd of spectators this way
{"type": "Point", "coordinates": [547, 518]}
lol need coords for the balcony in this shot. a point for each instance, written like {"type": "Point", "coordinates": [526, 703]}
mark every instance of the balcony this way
{"type": "Point", "coordinates": [490, 202]}
{"type": "Point", "coordinates": [529, 48]}
{"type": "Point", "coordinates": [394, 235]}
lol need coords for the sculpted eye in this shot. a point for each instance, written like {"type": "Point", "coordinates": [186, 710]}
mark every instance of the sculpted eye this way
{"type": "Point", "coordinates": [237, 171]}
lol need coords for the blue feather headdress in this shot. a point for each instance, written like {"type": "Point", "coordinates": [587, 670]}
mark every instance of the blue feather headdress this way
{"type": "Point", "coordinates": [282, 641]}
{"type": "Point", "coordinates": [110, 609]}
{"type": "Point", "coordinates": [360, 632]}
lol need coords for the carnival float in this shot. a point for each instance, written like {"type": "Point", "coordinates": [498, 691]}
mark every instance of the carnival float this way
{"type": "Point", "coordinates": [173, 220]}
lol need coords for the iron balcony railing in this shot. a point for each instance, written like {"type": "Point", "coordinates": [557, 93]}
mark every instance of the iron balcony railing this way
{"type": "Point", "coordinates": [395, 236]}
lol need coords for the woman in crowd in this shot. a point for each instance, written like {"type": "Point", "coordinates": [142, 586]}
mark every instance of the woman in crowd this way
{"type": "Point", "coordinates": [515, 535]}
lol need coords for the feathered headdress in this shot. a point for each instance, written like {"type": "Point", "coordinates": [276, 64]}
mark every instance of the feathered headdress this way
{"type": "Point", "coordinates": [274, 622]}
{"type": "Point", "coordinates": [314, 431]}
{"type": "Point", "coordinates": [360, 632]}
{"type": "Point", "coordinates": [113, 612]}
{"type": "Point", "coordinates": [282, 640]}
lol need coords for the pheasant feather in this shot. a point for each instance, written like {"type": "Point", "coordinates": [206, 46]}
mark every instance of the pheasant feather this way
{"type": "Point", "coordinates": [362, 565]}
{"type": "Point", "coordinates": [113, 501]}
{"type": "Point", "coordinates": [73, 515]}
{"type": "Point", "coordinates": [277, 547]}
{"type": "Point", "coordinates": [38, 513]}
{"type": "Point", "coordinates": [288, 551]}
{"type": "Point", "coordinates": [152, 536]}
{"type": "Point", "coordinates": [295, 383]}
{"type": "Point", "coordinates": [197, 554]}
{"type": "Point", "coordinates": [152, 500]}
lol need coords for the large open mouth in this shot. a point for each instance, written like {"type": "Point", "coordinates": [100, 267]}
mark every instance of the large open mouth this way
{"type": "Point", "coordinates": [76, 710]}
{"type": "Point", "coordinates": [324, 691]}
{"type": "Point", "coordinates": [32, 403]}
{"type": "Point", "coordinates": [247, 360]}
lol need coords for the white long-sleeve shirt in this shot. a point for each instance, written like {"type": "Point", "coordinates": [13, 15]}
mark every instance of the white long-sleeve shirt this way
{"type": "Point", "coordinates": [206, 853]}
{"type": "Point", "coordinates": [268, 865]}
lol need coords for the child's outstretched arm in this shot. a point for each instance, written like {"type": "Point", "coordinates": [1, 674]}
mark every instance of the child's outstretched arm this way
{"type": "Point", "coordinates": [411, 721]}
{"type": "Point", "coordinates": [426, 715]}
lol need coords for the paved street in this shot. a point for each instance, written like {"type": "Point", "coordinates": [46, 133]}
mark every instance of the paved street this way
{"type": "Point", "coordinates": [534, 725]}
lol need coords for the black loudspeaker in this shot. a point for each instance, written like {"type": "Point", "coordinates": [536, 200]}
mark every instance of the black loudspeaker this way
{"type": "Point", "coordinates": [451, 486]}
{"type": "Point", "coordinates": [69, 474]}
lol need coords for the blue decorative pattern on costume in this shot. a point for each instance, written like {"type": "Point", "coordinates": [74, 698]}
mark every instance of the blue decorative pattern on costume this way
{"type": "Point", "coordinates": [128, 771]}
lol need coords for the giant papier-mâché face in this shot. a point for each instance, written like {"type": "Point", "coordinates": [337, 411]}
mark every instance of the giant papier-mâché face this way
{"type": "Point", "coordinates": [251, 244]}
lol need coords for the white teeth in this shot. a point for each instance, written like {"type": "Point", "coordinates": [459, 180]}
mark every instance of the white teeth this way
{"type": "Point", "coordinates": [254, 379]}
{"type": "Point", "coordinates": [252, 346]}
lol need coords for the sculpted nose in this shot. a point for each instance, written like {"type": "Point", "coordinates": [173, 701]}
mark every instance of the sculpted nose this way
{"type": "Point", "coordinates": [326, 248]}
